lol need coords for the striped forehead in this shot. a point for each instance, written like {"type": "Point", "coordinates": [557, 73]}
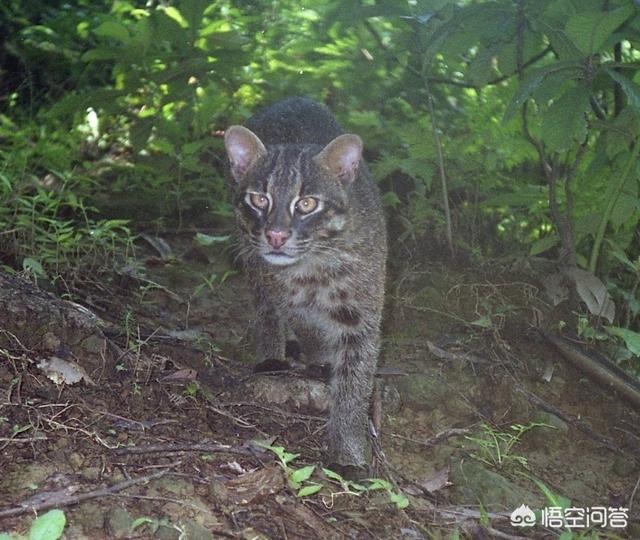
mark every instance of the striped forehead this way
{"type": "Point", "coordinates": [286, 168]}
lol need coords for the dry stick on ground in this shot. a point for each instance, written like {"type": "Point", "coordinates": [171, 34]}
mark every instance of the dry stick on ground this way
{"type": "Point", "coordinates": [68, 500]}
{"type": "Point", "coordinates": [190, 447]}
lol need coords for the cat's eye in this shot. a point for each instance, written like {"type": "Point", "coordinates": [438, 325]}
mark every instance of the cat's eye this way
{"type": "Point", "coordinates": [306, 205]}
{"type": "Point", "coordinates": [258, 201]}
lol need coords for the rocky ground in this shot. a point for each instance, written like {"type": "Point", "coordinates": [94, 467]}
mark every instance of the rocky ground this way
{"type": "Point", "coordinates": [174, 436]}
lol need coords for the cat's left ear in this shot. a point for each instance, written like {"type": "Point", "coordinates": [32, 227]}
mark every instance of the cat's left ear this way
{"type": "Point", "coordinates": [341, 156]}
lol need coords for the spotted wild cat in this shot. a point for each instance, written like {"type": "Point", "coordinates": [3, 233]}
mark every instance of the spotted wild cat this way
{"type": "Point", "coordinates": [313, 241]}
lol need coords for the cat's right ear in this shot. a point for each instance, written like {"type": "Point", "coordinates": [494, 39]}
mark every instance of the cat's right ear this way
{"type": "Point", "coordinates": [244, 148]}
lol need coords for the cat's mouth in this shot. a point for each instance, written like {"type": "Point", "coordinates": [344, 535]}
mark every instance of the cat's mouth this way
{"type": "Point", "coordinates": [279, 258]}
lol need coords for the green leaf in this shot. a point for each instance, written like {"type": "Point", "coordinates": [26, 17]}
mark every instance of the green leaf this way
{"type": "Point", "coordinates": [208, 240]}
{"type": "Point", "coordinates": [175, 14]}
{"type": "Point", "coordinates": [114, 30]}
{"type": "Point", "coordinates": [630, 88]}
{"type": "Point", "coordinates": [534, 79]}
{"type": "Point", "coordinates": [483, 322]}
{"type": "Point", "coordinates": [379, 483]}
{"type": "Point", "coordinates": [590, 31]}
{"type": "Point", "coordinates": [193, 11]}
{"type": "Point", "coordinates": [48, 526]}
{"type": "Point", "coordinates": [332, 475]}
{"type": "Point", "coordinates": [140, 132]}
{"type": "Point", "coordinates": [554, 500]}
{"type": "Point", "coordinates": [302, 474]}
{"type": "Point", "coordinates": [564, 123]}
{"type": "Point", "coordinates": [309, 490]}
{"type": "Point", "coordinates": [543, 244]}
{"type": "Point", "coordinates": [631, 338]}
{"type": "Point", "coordinates": [399, 499]}
{"type": "Point", "coordinates": [141, 521]}
{"type": "Point", "coordinates": [32, 265]}
{"type": "Point", "coordinates": [102, 53]}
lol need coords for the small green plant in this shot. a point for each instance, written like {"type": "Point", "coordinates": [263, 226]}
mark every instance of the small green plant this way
{"type": "Point", "coordinates": [297, 478]}
{"type": "Point", "coordinates": [495, 448]}
{"type": "Point", "coordinates": [48, 526]}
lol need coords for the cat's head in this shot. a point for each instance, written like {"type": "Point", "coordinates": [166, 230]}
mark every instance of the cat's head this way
{"type": "Point", "coordinates": [291, 200]}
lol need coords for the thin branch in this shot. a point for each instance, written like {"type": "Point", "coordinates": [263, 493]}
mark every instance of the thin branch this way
{"type": "Point", "coordinates": [61, 500]}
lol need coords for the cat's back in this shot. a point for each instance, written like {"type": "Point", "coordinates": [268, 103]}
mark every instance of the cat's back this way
{"type": "Point", "coordinates": [295, 121]}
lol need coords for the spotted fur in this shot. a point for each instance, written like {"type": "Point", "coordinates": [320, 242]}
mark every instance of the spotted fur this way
{"type": "Point", "coordinates": [326, 283]}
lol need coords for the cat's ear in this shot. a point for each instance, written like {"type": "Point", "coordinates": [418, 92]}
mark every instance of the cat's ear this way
{"type": "Point", "coordinates": [341, 156]}
{"type": "Point", "coordinates": [244, 148]}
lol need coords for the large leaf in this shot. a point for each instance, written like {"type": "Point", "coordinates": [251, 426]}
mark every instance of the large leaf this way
{"type": "Point", "coordinates": [590, 31]}
{"type": "Point", "coordinates": [114, 30]}
{"type": "Point", "coordinates": [631, 338]}
{"type": "Point", "coordinates": [48, 526]}
{"type": "Point", "coordinates": [566, 68]}
{"type": "Point", "coordinates": [630, 88]}
{"type": "Point", "coordinates": [564, 123]}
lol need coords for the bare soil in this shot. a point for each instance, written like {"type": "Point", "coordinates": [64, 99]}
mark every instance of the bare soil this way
{"type": "Point", "coordinates": [172, 432]}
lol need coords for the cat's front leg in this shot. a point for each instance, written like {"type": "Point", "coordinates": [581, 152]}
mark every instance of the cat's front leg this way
{"type": "Point", "coordinates": [351, 389]}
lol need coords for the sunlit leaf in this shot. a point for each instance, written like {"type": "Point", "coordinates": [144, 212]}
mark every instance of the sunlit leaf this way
{"type": "Point", "coordinates": [302, 474]}
{"type": "Point", "coordinates": [48, 526]}
{"type": "Point", "coordinates": [631, 338]}
{"type": "Point", "coordinates": [114, 30]}
{"type": "Point", "coordinates": [590, 31]}
{"type": "Point", "coordinates": [564, 123]}
{"type": "Point", "coordinates": [309, 490]}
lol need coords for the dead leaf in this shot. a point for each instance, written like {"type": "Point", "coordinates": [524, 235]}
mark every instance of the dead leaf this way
{"type": "Point", "coordinates": [437, 481]}
{"type": "Point", "coordinates": [593, 293]}
{"type": "Point", "coordinates": [159, 244]}
{"type": "Point", "coordinates": [64, 372]}
{"type": "Point", "coordinates": [185, 374]}
{"type": "Point", "coordinates": [258, 483]}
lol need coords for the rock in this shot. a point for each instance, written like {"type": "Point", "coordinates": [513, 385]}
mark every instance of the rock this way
{"type": "Point", "coordinates": [299, 392]}
{"type": "Point", "coordinates": [474, 483]}
{"type": "Point", "coordinates": [191, 530]}
{"type": "Point", "coordinates": [624, 466]}
{"type": "Point", "coordinates": [118, 522]}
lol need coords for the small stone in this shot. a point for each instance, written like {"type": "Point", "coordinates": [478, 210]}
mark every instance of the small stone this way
{"type": "Point", "coordinates": [118, 522]}
{"type": "Point", "coordinates": [623, 466]}
{"type": "Point", "coordinates": [194, 531]}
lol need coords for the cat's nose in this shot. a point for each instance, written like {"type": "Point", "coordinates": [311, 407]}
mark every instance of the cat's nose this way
{"type": "Point", "coordinates": [276, 238]}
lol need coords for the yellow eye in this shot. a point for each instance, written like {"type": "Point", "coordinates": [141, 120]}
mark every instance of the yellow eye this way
{"type": "Point", "coordinates": [306, 205]}
{"type": "Point", "coordinates": [258, 201]}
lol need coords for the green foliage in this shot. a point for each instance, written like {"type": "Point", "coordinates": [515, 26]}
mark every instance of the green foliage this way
{"type": "Point", "coordinates": [46, 227]}
{"type": "Point", "coordinates": [536, 105]}
{"type": "Point", "coordinates": [496, 448]}
{"type": "Point", "coordinates": [48, 526]}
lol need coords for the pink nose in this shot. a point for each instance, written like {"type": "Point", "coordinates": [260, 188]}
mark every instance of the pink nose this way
{"type": "Point", "coordinates": [276, 238]}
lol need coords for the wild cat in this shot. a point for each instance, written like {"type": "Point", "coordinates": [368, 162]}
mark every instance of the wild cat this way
{"type": "Point", "coordinates": [314, 244]}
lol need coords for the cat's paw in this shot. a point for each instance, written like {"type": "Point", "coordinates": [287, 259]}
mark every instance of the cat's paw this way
{"type": "Point", "coordinates": [293, 350]}
{"type": "Point", "coordinates": [322, 372]}
{"type": "Point", "coordinates": [351, 472]}
{"type": "Point", "coordinates": [271, 365]}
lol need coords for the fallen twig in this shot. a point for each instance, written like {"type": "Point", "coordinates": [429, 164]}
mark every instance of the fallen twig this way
{"type": "Point", "coordinates": [209, 448]}
{"type": "Point", "coordinates": [69, 500]}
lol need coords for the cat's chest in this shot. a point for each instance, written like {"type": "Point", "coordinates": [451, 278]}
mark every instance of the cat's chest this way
{"type": "Point", "coordinates": [323, 298]}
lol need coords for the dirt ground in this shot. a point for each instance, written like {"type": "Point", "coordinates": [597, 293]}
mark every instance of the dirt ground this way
{"type": "Point", "coordinates": [475, 414]}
